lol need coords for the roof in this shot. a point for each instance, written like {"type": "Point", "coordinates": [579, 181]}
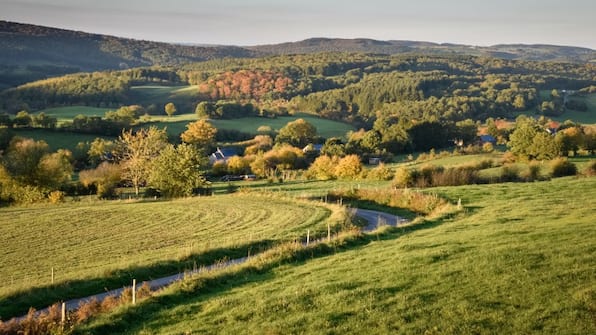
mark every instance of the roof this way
{"type": "Point", "coordinates": [488, 138]}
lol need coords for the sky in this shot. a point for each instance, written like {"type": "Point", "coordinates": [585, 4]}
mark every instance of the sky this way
{"type": "Point", "coordinates": [254, 22]}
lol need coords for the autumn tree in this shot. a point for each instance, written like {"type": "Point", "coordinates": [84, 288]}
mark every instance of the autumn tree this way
{"type": "Point", "coordinates": [237, 165]}
{"type": "Point", "coordinates": [54, 169]}
{"type": "Point", "coordinates": [30, 170]}
{"type": "Point", "coordinates": [100, 150]}
{"type": "Point", "coordinates": [200, 133]}
{"type": "Point", "coordinates": [349, 167]}
{"type": "Point", "coordinates": [297, 133]}
{"type": "Point", "coordinates": [170, 109]}
{"type": "Point", "coordinates": [323, 168]}
{"type": "Point", "coordinates": [135, 152]}
{"type": "Point", "coordinates": [22, 158]}
{"type": "Point", "coordinates": [177, 170]}
{"type": "Point", "coordinates": [259, 143]}
{"type": "Point", "coordinates": [105, 177]}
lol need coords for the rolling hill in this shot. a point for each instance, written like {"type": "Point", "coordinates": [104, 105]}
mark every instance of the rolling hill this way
{"type": "Point", "coordinates": [30, 52]}
{"type": "Point", "coordinates": [538, 52]}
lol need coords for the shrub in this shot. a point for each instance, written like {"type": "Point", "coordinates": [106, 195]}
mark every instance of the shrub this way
{"type": "Point", "coordinates": [454, 176]}
{"type": "Point", "coordinates": [561, 167]}
{"type": "Point", "coordinates": [425, 176]}
{"type": "Point", "coordinates": [380, 172]}
{"type": "Point", "coordinates": [590, 169]}
{"type": "Point", "coordinates": [488, 147]}
{"type": "Point", "coordinates": [403, 178]}
{"type": "Point", "coordinates": [484, 164]}
{"type": "Point", "coordinates": [509, 173]}
{"type": "Point", "coordinates": [322, 168]}
{"type": "Point", "coordinates": [509, 157]}
{"type": "Point", "coordinates": [56, 197]}
{"type": "Point", "coordinates": [219, 168]}
{"type": "Point", "coordinates": [87, 309]}
{"type": "Point", "coordinates": [533, 172]}
{"type": "Point", "coordinates": [417, 202]}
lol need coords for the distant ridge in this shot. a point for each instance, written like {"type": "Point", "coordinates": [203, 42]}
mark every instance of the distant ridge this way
{"type": "Point", "coordinates": [538, 52]}
{"type": "Point", "coordinates": [31, 52]}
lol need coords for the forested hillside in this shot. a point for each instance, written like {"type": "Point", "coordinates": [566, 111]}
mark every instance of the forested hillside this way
{"type": "Point", "coordinates": [402, 102]}
{"type": "Point", "coordinates": [538, 52]}
{"type": "Point", "coordinates": [29, 52]}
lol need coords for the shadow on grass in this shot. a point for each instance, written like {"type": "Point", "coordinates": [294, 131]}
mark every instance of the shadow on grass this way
{"type": "Point", "coordinates": [199, 289]}
{"type": "Point", "coordinates": [18, 304]}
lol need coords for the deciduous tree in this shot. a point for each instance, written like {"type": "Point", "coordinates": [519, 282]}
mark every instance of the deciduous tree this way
{"type": "Point", "coordinates": [298, 133]}
{"type": "Point", "coordinates": [200, 133]}
{"type": "Point", "coordinates": [136, 150]}
{"type": "Point", "coordinates": [178, 170]}
{"type": "Point", "coordinates": [170, 109]}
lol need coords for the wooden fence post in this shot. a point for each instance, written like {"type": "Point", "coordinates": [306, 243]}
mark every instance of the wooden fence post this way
{"type": "Point", "coordinates": [134, 291]}
{"type": "Point", "coordinates": [307, 237]}
{"type": "Point", "coordinates": [63, 314]}
{"type": "Point", "coordinates": [328, 232]}
{"type": "Point", "coordinates": [52, 275]}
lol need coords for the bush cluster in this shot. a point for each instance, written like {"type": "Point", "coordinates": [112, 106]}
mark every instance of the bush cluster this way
{"type": "Point", "coordinates": [49, 322]}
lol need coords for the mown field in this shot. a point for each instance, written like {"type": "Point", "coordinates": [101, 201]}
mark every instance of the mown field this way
{"type": "Point", "coordinates": [94, 245]}
{"type": "Point", "coordinates": [518, 260]}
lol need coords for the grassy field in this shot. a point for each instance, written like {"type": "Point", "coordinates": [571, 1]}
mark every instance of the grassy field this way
{"type": "Point", "coordinates": [93, 244]}
{"type": "Point", "coordinates": [69, 113]}
{"type": "Point", "coordinates": [58, 140]}
{"type": "Point", "coordinates": [161, 95]}
{"type": "Point", "coordinates": [177, 124]}
{"type": "Point", "coordinates": [519, 259]}
{"type": "Point", "coordinates": [325, 128]}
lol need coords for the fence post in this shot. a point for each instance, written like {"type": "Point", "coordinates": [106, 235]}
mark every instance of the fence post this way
{"type": "Point", "coordinates": [63, 314]}
{"type": "Point", "coordinates": [307, 237]}
{"type": "Point", "coordinates": [52, 275]}
{"type": "Point", "coordinates": [328, 232]}
{"type": "Point", "coordinates": [134, 291]}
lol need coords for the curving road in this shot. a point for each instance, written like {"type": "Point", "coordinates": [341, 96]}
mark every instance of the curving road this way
{"type": "Point", "coordinates": [374, 219]}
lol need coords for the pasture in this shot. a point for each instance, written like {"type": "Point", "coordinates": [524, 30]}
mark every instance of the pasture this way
{"type": "Point", "coordinates": [93, 245]}
{"type": "Point", "coordinates": [176, 124]}
{"type": "Point", "coordinates": [518, 259]}
{"type": "Point", "coordinates": [58, 139]}
{"type": "Point", "coordinates": [68, 113]}
{"type": "Point", "coordinates": [185, 95]}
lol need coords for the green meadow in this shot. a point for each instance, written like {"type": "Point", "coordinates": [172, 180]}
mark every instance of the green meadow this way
{"type": "Point", "coordinates": [93, 245]}
{"type": "Point", "coordinates": [57, 139]}
{"type": "Point", "coordinates": [70, 112]}
{"type": "Point", "coordinates": [518, 259]}
{"type": "Point", "coordinates": [161, 95]}
{"type": "Point", "coordinates": [176, 124]}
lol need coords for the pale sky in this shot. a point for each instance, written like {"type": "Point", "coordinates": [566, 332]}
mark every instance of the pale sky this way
{"type": "Point", "coordinates": [252, 22]}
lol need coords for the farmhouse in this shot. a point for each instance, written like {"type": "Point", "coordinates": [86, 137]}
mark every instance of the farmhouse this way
{"type": "Point", "coordinates": [483, 139]}
{"type": "Point", "coordinates": [222, 155]}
